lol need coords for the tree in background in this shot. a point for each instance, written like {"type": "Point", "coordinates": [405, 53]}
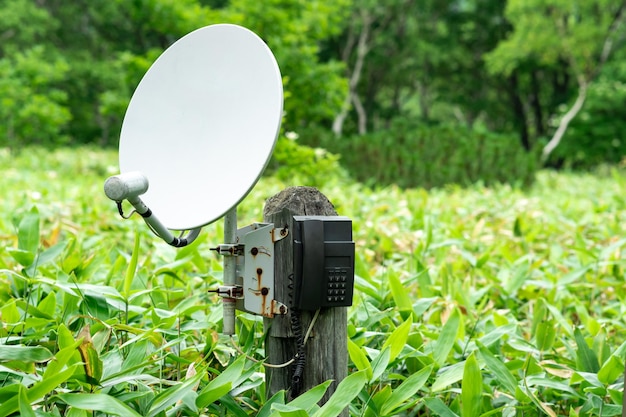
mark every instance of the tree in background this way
{"type": "Point", "coordinates": [33, 103]}
{"type": "Point", "coordinates": [420, 60]}
{"type": "Point", "coordinates": [577, 35]}
{"type": "Point", "coordinates": [350, 68]}
{"type": "Point", "coordinates": [68, 69]}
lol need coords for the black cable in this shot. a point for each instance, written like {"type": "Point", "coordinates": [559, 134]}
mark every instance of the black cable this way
{"type": "Point", "coordinates": [300, 357]}
{"type": "Point", "coordinates": [298, 367]}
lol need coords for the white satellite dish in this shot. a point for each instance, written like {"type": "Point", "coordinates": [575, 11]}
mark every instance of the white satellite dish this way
{"type": "Point", "coordinates": [202, 124]}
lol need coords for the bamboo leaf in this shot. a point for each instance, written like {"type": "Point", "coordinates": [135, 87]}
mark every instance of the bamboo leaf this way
{"type": "Point", "coordinates": [611, 370]}
{"type": "Point", "coordinates": [399, 292]}
{"type": "Point", "coordinates": [172, 395]}
{"type": "Point", "coordinates": [132, 267]}
{"type": "Point", "coordinates": [346, 391]}
{"type": "Point", "coordinates": [448, 376]}
{"type": "Point", "coordinates": [28, 232]}
{"type": "Point", "coordinates": [311, 397]}
{"type": "Point", "coordinates": [98, 402]}
{"type": "Point", "coordinates": [447, 338]}
{"type": "Point", "coordinates": [406, 389]}
{"type": "Point", "coordinates": [397, 339]}
{"type": "Point", "coordinates": [24, 353]}
{"type": "Point", "coordinates": [379, 364]}
{"type": "Point", "coordinates": [266, 410]}
{"type": "Point", "coordinates": [439, 408]}
{"type": "Point", "coordinates": [358, 357]}
{"type": "Point", "coordinates": [24, 404]}
{"type": "Point", "coordinates": [545, 335]}
{"type": "Point", "coordinates": [501, 373]}
{"type": "Point", "coordinates": [586, 358]}
{"type": "Point", "coordinates": [221, 384]}
{"type": "Point", "coordinates": [37, 391]}
{"type": "Point", "coordinates": [471, 388]}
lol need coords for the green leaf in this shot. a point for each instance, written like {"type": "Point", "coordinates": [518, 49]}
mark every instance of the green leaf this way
{"type": "Point", "coordinates": [221, 384]}
{"type": "Point", "coordinates": [96, 305]}
{"type": "Point", "coordinates": [28, 232]}
{"type": "Point", "coordinates": [398, 338]}
{"type": "Point", "coordinates": [24, 404]}
{"type": "Point", "coordinates": [439, 408]}
{"type": "Point", "coordinates": [266, 410]}
{"type": "Point", "coordinates": [98, 402]}
{"type": "Point", "coordinates": [406, 390]}
{"type": "Point", "coordinates": [64, 336]}
{"type": "Point", "coordinates": [132, 267]}
{"type": "Point", "coordinates": [471, 388]}
{"type": "Point", "coordinates": [586, 358]}
{"type": "Point", "coordinates": [172, 395]}
{"type": "Point", "coordinates": [61, 358]}
{"type": "Point", "coordinates": [23, 257]}
{"type": "Point", "coordinates": [449, 376]}
{"type": "Point", "coordinates": [447, 338]}
{"type": "Point", "coordinates": [310, 398]}
{"type": "Point", "coordinates": [611, 370]}
{"type": "Point", "coordinates": [346, 391]}
{"type": "Point", "coordinates": [377, 400]}
{"type": "Point", "coordinates": [293, 413]}
{"type": "Point", "coordinates": [48, 305]}
{"type": "Point", "coordinates": [9, 313]}
{"type": "Point", "coordinates": [399, 292]}
{"type": "Point", "coordinates": [379, 364]}
{"type": "Point", "coordinates": [517, 227]}
{"type": "Point", "coordinates": [499, 370]}
{"type": "Point", "coordinates": [76, 412]}
{"type": "Point", "coordinates": [37, 391]}
{"type": "Point", "coordinates": [24, 353]}
{"type": "Point", "coordinates": [545, 335]}
{"type": "Point", "coordinates": [358, 357]}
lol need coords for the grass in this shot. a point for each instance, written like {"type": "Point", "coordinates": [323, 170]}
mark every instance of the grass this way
{"type": "Point", "coordinates": [469, 301]}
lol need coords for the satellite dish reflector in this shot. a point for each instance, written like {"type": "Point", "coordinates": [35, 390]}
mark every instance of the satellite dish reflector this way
{"type": "Point", "coordinates": [202, 124]}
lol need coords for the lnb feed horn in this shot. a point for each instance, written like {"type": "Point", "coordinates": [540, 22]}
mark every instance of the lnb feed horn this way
{"type": "Point", "coordinates": [129, 186]}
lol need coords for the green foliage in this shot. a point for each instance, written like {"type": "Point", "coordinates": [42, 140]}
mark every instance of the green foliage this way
{"type": "Point", "coordinates": [314, 88]}
{"type": "Point", "coordinates": [469, 301]}
{"type": "Point", "coordinates": [597, 136]}
{"type": "Point", "coordinates": [294, 163]}
{"type": "Point", "coordinates": [33, 106]}
{"type": "Point", "coordinates": [66, 77]}
{"type": "Point", "coordinates": [549, 30]}
{"type": "Point", "coordinates": [414, 155]}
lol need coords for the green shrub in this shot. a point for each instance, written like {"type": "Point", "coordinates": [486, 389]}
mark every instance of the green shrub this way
{"type": "Point", "coordinates": [295, 163]}
{"type": "Point", "coordinates": [415, 155]}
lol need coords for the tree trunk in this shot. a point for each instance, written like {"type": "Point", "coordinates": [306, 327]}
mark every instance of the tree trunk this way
{"type": "Point", "coordinates": [567, 118]}
{"type": "Point", "coordinates": [361, 52]}
{"type": "Point", "coordinates": [519, 113]}
{"type": "Point", "coordinates": [535, 103]}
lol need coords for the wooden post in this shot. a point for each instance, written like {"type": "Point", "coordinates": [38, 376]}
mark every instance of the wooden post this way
{"type": "Point", "coordinates": [327, 347]}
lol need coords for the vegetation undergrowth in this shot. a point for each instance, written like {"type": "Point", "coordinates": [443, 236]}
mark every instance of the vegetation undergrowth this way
{"type": "Point", "coordinates": [472, 301]}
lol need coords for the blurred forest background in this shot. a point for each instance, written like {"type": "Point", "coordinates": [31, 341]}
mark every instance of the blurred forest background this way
{"type": "Point", "coordinates": [412, 92]}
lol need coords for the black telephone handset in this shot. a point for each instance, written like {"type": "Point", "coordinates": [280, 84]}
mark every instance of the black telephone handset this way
{"type": "Point", "coordinates": [323, 262]}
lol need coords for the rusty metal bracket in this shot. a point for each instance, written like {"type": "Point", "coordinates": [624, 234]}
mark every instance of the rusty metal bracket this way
{"type": "Point", "coordinates": [254, 252]}
{"type": "Point", "coordinates": [279, 233]}
{"type": "Point", "coordinates": [254, 255]}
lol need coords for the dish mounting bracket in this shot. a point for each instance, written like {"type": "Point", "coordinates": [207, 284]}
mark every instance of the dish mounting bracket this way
{"type": "Point", "coordinates": [254, 289]}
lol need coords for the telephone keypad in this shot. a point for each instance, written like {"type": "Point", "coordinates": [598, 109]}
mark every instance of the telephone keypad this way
{"type": "Point", "coordinates": [337, 288]}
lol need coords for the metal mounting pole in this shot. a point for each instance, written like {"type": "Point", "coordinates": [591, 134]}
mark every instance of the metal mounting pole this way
{"type": "Point", "coordinates": [230, 270]}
